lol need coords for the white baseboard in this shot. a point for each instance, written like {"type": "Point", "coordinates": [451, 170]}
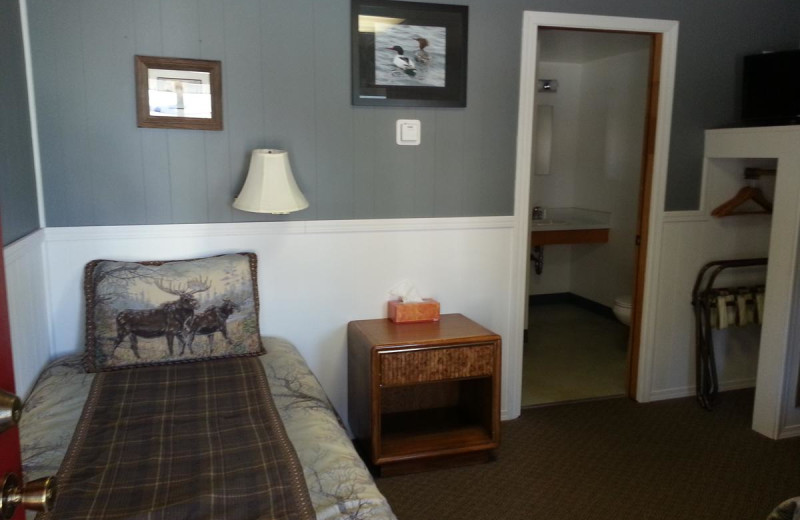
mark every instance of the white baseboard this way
{"type": "Point", "coordinates": [689, 391]}
{"type": "Point", "coordinates": [790, 431]}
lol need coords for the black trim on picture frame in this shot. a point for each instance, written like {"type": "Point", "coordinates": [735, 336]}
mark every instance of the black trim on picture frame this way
{"type": "Point", "coordinates": [433, 39]}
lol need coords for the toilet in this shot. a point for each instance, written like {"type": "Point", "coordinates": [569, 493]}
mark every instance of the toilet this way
{"type": "Point", "coordinates": [622, 308]}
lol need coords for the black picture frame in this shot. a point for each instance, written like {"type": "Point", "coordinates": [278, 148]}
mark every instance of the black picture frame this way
{"type": "Point", "coordinates": [433, 39]}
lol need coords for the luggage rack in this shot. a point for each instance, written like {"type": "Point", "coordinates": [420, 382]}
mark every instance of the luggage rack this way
{"type": "Point", "coordinates": [705, 299]}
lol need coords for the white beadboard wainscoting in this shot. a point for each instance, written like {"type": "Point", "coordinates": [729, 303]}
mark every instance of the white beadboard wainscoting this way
{"type": "Point", "coordinates": [769, 358]}
{"type": "Point", "coordinates": [728, 151]}
{"type": "Point", "coordinates": [313, 276]}
{"type": "Point", "coordinates": [28, 309]}
{"type": "Point", "coordinates": [689, 242]}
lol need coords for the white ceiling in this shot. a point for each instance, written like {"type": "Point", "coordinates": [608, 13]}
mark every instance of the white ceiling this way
{"type": "Point", "coordinates": [570, 46]}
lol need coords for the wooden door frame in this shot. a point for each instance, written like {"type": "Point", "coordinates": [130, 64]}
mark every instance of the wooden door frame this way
{"type": "Point", "coordinates": [654, 184]}
{"type": "Point", "coordinates": [643, 213]}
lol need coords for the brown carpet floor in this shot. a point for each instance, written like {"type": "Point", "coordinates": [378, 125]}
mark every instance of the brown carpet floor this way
{"type": "Point", "coordinates": [614, 459]}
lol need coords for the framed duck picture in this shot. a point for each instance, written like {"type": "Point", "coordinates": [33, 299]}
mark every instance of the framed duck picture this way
{"type": "Point", "coordinates": [409, 53]}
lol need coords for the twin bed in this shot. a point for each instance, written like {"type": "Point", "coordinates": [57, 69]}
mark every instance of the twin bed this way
{"type": "Point", "coordinates": [130, 435]}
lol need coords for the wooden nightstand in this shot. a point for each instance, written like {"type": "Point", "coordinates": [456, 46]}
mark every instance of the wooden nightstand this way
{"type": "Point", "coordinates": [423, 395]}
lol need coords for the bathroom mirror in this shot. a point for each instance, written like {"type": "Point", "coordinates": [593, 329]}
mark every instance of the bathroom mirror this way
{"type": "Point", "coordinates": [178, 93]}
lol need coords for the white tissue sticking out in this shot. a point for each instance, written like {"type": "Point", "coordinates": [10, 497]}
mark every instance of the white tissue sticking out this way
{"type": "Point", "coordinates": [406, 291]}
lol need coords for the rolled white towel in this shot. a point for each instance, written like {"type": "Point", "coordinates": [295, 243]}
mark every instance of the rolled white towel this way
{"type": "Point", "coordinates": [744, 317]}
{"type": "Point", "coordinates": [722, 311]}
{"type": "Point", "coordinates": [714, 315]}
{"type": "Point", "coordinates": [760, 305]}
{"type": "Point", "coordinates": [730, 304]}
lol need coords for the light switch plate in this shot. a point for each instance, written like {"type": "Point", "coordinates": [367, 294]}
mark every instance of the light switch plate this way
{"type": "Point", "coordinates": [408, 132]}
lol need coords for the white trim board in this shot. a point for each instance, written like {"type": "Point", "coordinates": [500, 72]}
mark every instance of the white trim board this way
{"type": "Point", "coordinates": [37, 157]}
{"type": "Point", "coordinates": [55, 234]}
{"type": "Point", "coordinates": [314, 276]}
{"type": "Point", "coordinates": [774, 410]}
{"type": "Point", "coordinates": [531, 23]}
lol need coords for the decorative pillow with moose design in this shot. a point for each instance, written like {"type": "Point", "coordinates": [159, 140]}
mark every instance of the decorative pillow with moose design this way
{"type": "Point", "coordinates": [151, 313]}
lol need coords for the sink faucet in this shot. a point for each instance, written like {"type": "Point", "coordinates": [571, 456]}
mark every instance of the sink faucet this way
{"type": "Point", "coordinates": [538, 213]}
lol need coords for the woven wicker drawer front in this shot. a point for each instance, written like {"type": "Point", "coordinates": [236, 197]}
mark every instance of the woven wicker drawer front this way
{"type": "Point", "coordinates": [438, 364]}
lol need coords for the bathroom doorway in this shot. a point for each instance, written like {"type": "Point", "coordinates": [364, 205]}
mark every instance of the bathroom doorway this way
{"type": "Point", "coordinates": [604, 167]}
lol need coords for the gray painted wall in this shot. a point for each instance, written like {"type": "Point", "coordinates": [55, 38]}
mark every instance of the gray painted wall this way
{"type": "Point", "coordinates": [18, 207]}
{"type": "Point", "coordinates": [286, 84]}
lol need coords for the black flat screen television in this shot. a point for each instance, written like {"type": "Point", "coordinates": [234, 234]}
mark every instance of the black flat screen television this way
{"type": "Point", "coordinates": [771, 89]}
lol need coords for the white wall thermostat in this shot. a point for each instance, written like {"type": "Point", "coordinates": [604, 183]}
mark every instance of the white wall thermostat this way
{"type": "Point", "coordinates": [408, 131]}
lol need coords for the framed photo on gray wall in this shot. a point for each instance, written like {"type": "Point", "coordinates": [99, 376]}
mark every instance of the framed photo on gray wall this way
{"type": "Point", "coordinates": [178, 93]}
{"type": "Point", "coordinates": [409, 53]}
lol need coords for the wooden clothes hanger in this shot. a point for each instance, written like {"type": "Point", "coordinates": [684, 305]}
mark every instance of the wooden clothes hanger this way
{"type": "Point", "coordinates": [748, 193]}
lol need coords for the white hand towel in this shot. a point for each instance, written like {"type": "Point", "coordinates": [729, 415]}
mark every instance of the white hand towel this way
{"type": "Point", "coordinates": [730, 304]}
{"type": "Point", "coordinates": [722, 312]}
{"type": "Point", "coordinates": [760, 306]}
{"type": "Point", "coordinates": [741, 308]}
{"type": "Point", "coordinates": [713, 314]}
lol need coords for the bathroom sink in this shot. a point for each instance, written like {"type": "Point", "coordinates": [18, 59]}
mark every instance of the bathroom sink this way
{"type": "Point", "coordinates": [570, 226]}
{"type": "Point", "coordinates": [547, 222]}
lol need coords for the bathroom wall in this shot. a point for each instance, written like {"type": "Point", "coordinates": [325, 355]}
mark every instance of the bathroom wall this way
{"type": "Point", "coordinates": [557, 188]}
{"type": "Point", "coordinates": [598, 132]}
{"type": "Point", "coordinates": [613, 108]}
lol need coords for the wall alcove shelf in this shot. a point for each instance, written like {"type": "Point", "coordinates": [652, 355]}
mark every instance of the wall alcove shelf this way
{"type": "Point", "coordinates": [775, 414]}
{"type": "Point", "coordinates": [747, 194]}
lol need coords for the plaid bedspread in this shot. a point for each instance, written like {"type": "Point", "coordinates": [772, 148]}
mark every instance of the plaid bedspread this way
{"type": "Point", "coordinates": [192, 441]}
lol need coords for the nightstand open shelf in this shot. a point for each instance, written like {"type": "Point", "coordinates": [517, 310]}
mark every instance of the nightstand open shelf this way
{"type": "Point", "coordinates": [404, 433]}
{"type": "Point", "coordinates": [423, 395]}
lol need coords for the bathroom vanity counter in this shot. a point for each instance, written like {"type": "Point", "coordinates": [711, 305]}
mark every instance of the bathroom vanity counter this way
{"type": "Point", "coordinates": [569, 236]}
{"type": "Point", "coordinates": [570, 226]}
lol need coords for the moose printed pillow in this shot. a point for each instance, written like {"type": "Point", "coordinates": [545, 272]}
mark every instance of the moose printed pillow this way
{"type": "Point", "coordinates": [152, 313]}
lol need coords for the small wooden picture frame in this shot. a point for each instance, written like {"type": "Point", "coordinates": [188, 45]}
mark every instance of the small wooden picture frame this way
{"type": "Point", "coordinates": [178, 93]}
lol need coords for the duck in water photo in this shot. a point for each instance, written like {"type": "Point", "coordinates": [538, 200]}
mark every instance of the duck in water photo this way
{"type": "Point", "coordinates": [403, 62]}
{"type": "Point", "coordinates": [410, 55]}
{"type": "Point", "coordinates": [422, 57]}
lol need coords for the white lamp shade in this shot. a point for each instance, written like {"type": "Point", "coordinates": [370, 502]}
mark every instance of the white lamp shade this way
{"type": "Point", "coordinates": [270, 186]}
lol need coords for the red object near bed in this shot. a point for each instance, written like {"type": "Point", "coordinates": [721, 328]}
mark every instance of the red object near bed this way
{"type": "Point", "coordinates": [10, 461]}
